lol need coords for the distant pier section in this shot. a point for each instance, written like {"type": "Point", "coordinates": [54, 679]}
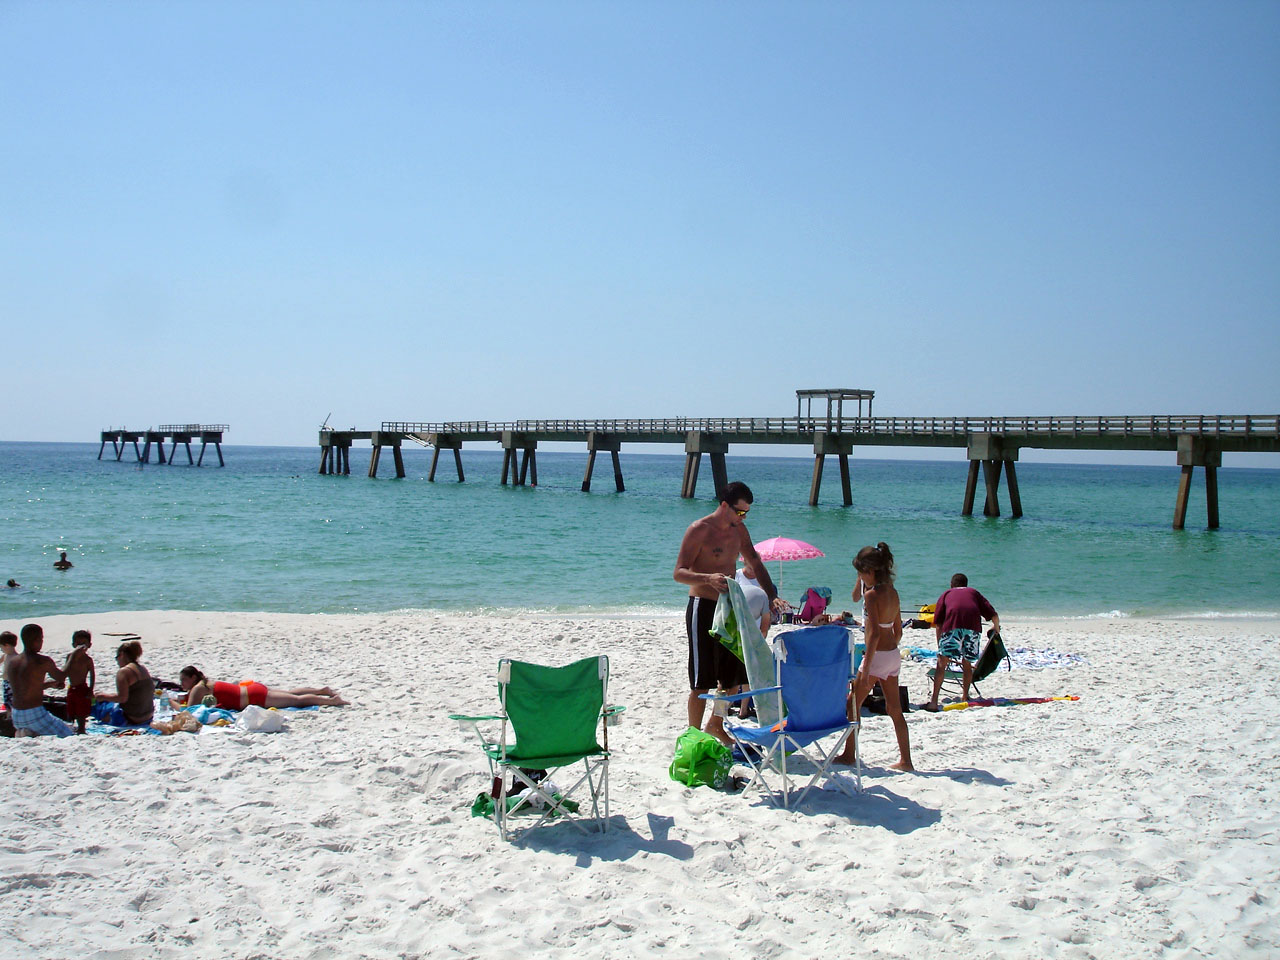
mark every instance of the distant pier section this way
{"type": "Point", "coordinates": [992, 444]}
{"type": "Point", "coordinates": [175, 433]}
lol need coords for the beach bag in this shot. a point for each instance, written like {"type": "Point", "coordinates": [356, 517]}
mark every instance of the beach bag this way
{"type": "Point", "coordinates": [700, 760]}
{"type": "Point", "coordinates": [259, 720]}
{"type": "Point", "coordinates": [874, 701]}
{"type": "Point", "coordinates": [993, 651]}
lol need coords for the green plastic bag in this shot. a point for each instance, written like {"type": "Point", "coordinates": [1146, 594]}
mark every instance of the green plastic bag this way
{"type": "Point", "coordinates": [701, 759]}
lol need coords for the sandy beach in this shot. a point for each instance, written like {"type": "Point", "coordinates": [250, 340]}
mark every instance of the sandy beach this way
{"type": "Point", "coordinates": [1139, 821]}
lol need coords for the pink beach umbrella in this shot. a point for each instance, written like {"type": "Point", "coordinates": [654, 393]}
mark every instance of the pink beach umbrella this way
{"type": "Point", "coordinates": [784, 548]}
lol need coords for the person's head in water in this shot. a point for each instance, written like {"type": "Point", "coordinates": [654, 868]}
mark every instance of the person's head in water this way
{"type": "Point", "coordinates": [959, 580]}
{"type": "Point", "coordinates": [737, 496]}
{"type": "Point", "coordinates": [13, 583]}
{"type": "Point", "coordinates": [876, 562]}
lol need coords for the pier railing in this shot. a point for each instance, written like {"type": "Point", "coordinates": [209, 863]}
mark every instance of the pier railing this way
{"type": "Point", "coordinates": [954, 427]}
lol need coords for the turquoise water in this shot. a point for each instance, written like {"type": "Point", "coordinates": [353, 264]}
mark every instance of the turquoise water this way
{"type": "Point", "coordinates": [267, 532]}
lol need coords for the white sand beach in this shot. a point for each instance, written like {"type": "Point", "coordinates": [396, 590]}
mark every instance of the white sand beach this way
{"type": "Point", "coordinates": [1140, 821]}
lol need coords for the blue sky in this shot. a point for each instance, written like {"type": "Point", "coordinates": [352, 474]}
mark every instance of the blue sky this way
{"type": "Point", "coordinates": [262, 213]}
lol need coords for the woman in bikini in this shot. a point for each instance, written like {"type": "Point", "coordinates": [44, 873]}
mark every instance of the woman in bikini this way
{"type": "Point", "coordinates": [237, 696]}
{"type": "Point", "coordinates": [881, 660]}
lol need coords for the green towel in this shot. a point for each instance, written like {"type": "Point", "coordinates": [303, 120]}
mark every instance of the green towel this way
{"type": "Point", "coordinates": [739, 631]}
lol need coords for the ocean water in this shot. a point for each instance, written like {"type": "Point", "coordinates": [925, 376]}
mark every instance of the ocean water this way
{"type": "Point", "coordinates": [267, 532]}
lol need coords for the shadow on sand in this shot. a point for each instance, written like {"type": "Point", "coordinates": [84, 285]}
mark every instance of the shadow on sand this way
{"type": "Point", "coordinates": [620, 842]}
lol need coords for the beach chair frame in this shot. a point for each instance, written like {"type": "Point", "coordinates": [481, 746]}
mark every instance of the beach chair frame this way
{"type": "Point", "coordinates": [585, 691]}
{"type": "Point", "coordinates": [770, 752]}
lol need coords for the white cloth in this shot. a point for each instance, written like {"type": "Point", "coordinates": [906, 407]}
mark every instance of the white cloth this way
{"type": "Point", "coordinates": [757, 599]}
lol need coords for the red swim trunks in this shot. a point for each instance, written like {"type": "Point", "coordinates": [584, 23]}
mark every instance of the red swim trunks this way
{"type": "Point", "coordinates": [79, 701]}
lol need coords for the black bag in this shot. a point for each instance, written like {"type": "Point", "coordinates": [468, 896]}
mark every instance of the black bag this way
{"type": "Point", "coordinates": [875, 700]}
{"type": "Point", "coordinates": [993, 652]}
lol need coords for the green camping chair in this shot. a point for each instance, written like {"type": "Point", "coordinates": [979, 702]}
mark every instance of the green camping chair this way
{"type": "Point", "coordinates": [555, 715]}
{"type": "Point", "coordinates": [993, 651]}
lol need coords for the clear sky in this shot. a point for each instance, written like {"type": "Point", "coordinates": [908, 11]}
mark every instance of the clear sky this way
{"type": "Point", "coordinates": [262, 213]}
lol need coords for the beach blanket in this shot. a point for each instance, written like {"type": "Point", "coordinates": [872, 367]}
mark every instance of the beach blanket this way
{"type": "Point", "coordinates": [738, 631]}
{"type": "Point", "coordinates": [1004, 702]}
{"type": "Point", "coordinates": [108, 719]}
{"type": "Point", "coordinates": [1024, 658]}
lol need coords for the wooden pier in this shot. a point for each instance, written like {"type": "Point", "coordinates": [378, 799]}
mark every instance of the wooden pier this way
{"type": "Point", "coordinates": [992, 444]}
{"type": "Point", "coordinates": [181, 433]}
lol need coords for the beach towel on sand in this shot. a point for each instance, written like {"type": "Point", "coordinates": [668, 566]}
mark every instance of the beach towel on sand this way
{"type": "Point", "coordinates": [738, 631]}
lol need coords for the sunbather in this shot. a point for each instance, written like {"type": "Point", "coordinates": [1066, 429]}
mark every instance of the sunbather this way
{"type": "Point", "coordinates": [237, 696]}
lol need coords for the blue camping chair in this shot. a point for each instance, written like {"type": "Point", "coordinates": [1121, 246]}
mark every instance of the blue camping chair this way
{"type": "Point", "coordinates": [813, 672]}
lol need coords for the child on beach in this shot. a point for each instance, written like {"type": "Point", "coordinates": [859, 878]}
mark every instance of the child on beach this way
{"type": "Point", "coordinates": [8, 648]}
{"type": "Point", "coordinates": [80, 679]}
{"type": "Point", "coordinates": [881, 661]}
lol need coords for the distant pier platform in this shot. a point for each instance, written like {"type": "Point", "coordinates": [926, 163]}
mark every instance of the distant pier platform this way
{"type": "Point", "coordinates": [992, 444]}
{"type": "Point", "coordinates": [179, 433]}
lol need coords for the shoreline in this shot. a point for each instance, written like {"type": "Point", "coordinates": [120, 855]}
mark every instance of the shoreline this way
{"type": "Point", "coordinates": [652, 613]}
{"type": "Point", "coordinates": [1135, 821]}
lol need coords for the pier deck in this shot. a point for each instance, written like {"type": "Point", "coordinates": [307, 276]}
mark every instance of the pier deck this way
{"type": "Point", "coordinates": [184, 433]}
{"type": "Point", "coordinates": [991, 443]}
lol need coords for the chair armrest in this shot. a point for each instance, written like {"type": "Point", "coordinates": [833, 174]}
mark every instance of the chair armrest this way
{"type": "Point", "coordinates": [462, 718]}
{"type": "Point", "coordinates": [735, 697]}
{"type": "Point", "coordinates": [612, 709]}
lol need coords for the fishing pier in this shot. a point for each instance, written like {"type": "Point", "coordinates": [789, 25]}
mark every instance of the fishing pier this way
{"type": "Point", "coordinates": [181, 433]}
{"type": "Point", "coordinates": [992, 444]}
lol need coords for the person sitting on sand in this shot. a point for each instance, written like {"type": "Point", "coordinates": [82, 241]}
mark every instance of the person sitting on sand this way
{"type": "Point", "coordinates": [881, 661]}
{"type": "Point", "coordinates": [237, 696]}
{"type": "Point", "coordinates": [81, 678]}
{"type": "Point", "coordinates": [62, 563]}
{"type": "Point", "coordinates": [135, 690]}
{"type": "Point", "coordinates": [26, 672]}
{"type": "Point", "coordinates": [8, 648]}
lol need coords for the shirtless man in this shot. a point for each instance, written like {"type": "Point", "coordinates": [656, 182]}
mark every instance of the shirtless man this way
{"type": "Point", "coordinates": [62, 563]}
{"type": "Point", "coordinates": [25, 673]}
{"type": "Point", "coordinates": [707, 560]}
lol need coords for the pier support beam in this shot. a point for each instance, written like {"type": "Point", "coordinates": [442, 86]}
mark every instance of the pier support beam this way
{"type": "Point", "coordinates": [185, 440]}
{"type": "Point", "coordinates": [695, 445]}
{"type": "Point", "coordinates": [156, 437]}
{"type": "Point", "coordinates": [380, 439]}
{"type": "Point", "coordinates": [443, 441]}
{"type": "Point", "coordinates": [513, 444]}
{"type": "Point", "coordinates": [216, 440]}
{"type": "Point", "coordinates": [995, 454]}
{"type": "Point", "coordinates": [335, 452]}
{"type": "Point", "coordinates": [825, 443]}
{"type": "Point", "coordinates": [1197, 452]}
{"type": "Point", "coordinates": [598, 442]}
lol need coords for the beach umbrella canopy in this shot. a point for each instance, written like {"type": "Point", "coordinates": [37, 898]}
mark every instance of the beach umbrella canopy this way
{"type": "Point", "coordinates": [784, 548]}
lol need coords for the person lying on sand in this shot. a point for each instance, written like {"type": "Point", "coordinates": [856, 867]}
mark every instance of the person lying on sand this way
{"type": "Point", "coordinates": [237, 696]}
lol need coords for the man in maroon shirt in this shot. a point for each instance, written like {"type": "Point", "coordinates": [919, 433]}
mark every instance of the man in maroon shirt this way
{"type": "Point", "coordinates": [957, 621]}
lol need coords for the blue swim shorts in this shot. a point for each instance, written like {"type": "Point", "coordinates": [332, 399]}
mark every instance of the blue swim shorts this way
{"type": "Point", "coordinates": [959, 644]}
